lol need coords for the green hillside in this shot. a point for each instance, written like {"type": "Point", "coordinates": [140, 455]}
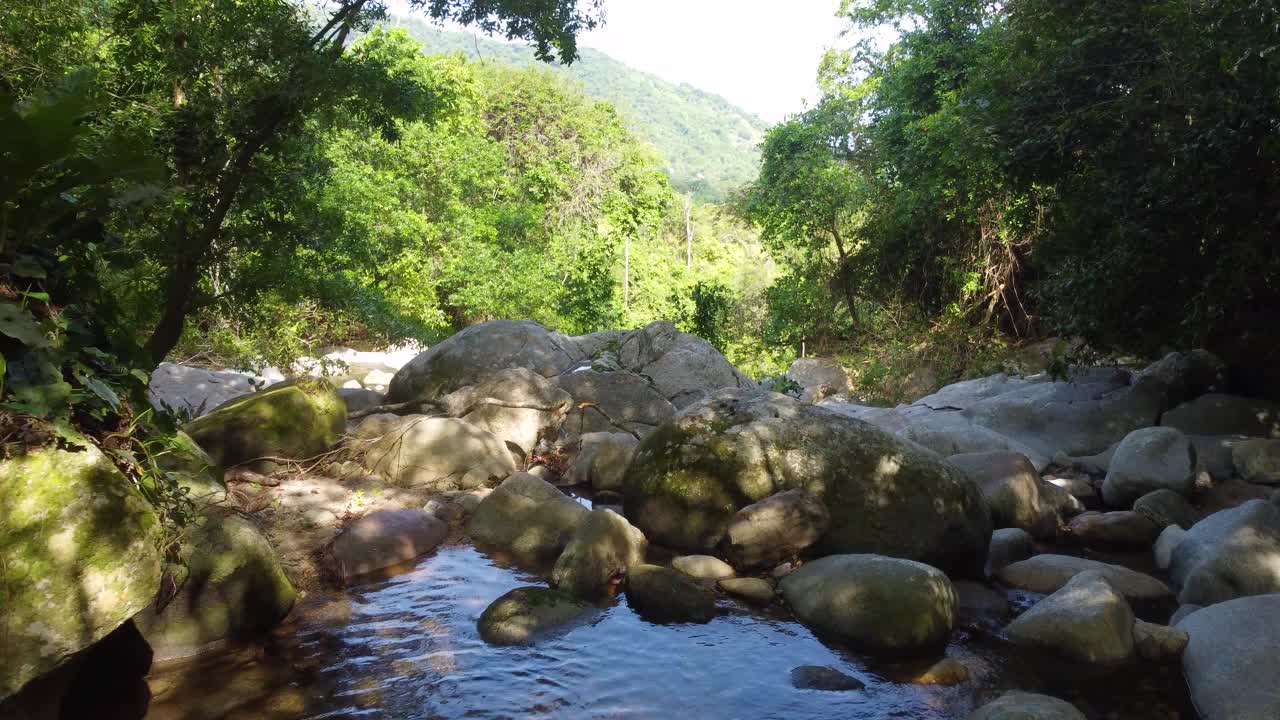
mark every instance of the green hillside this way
{"type": "Point", "coordinates": [709, 144]}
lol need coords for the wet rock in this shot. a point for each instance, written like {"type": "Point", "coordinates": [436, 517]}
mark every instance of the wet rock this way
{"type": "Point", "coordinates": [688, 479]}
{"type": "Point", "coordinates": [359, 399]}
{"type": "Point", "coordinates": [441, 453]}
{"type": "Point", "coordinates": [1019, 705]}
{"type": "Point", "coordinates": [1121, 527]}
{"type": "Point", "coordinates": [818, 677]}
{"type": "Point", "coordinates": [664, 595]}
{"type": "Point", "coordinates": [385, 538]}
{"type": "Point", "coordinates": [879, 604]}
{"type": "Point", "coordinates": [779, 527]}
{"type": "Point", "coordinates": [232, 587]}
{"type": "Point", "coordinates": [602, 460]}
{"type": "Point", "coordinates": [977, 603]}
{"type": "Point", "coordinates": [1086, 620]}
{"type": "Point", "coordinates": [685, 368]}
{"type": "Point", "coordinates": [603, 545]}
{"type": "Point", "coordinates": [78, 544]}
{"type": "Point", "coordinates": [947, 671]}
{"type": "Point", "coordinates": [528, 517]}
{"type": "Point", "coordinates": [1230, 554]}
{"type": "Point", "coordinates": [1219, 414]}
{"type": "Point", "coordinates": [1048, 573]}
{"type": "Point", "coordinates": [516, 405]}
{"type": "Point", "coordinates": [296, 420]}
{"type": "Point", "coordinates": [751, 589]}
{"type": "Point", "coordinates": [1012, 488]}
{"type": "Point", "coordinates": [1008, 546]}
{"type": "Point", "coordinates": [703, 567]}
{"type": "Point", "coordinates": [612, 402]}
{"type": "Point", "coordinates": [1170, 538]}
{"type": "Point", "coordinates": [526, 614]}
{"type": "Point", "coordinates": [1257, 461]}
{"type": "Point", "coordinates": [1166, 507]}
{"type": "Point", "coordinates": [810, 372]}
{"type": "Point", "coordinates": [463, 359]}
{"type": "Point", "coordinates": [1230, 660]}
{"type": "Point", "coordinates": [1149, 459]}
{"type": "Point", "coordinates": [1158, 643]}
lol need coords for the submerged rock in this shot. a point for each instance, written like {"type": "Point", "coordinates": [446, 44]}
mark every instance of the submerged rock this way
{"type": "Point", "coordinates": [1230, 554]}
{"type": "Point", "coordinates": [879, 604]}
{"type": "Point", "coordinates": [525, 614]}
{"type": "Point", "coordinates": [440, 453]}
{"type": "Point", "coordinates": [779, 527]}
{"type": "Point", "coordinates": [603, 545]}
{"type": "Point", "coordinates": [664, 595]}
{"type": "Point", "coordinates": [1085, 620]}
{"type": "Point", "coordinates": [819, 677]}
{"type": "Point", "coordinates": [1155, 458]}
{"type": "Point", "coordinates": [297, 420]}
{"type": "Point", "coordinates": [1048, 573]}
{"type": "Point", "coordinates": [1019, 705]}
{"type": "Point", "coordinates": [884, 495]}
{"type": "Point", "coordinates": [1230, 660]}
{"type": "Point", "coordinates": [386, 538]}
{"type": "Point", "coordinates": [78, 557]}
{"type": "Point", "coordinates": [528, 517]}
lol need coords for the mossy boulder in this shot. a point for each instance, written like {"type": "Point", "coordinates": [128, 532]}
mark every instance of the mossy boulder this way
{"type": "Point", "coordinates": [292, 420]}
{"type": "Point", "coordinates": [526, 614]}
{"type": "Point", "coordinates": [79, 548]}
{"type": "Point", "coordinates": [231, 586]}
{"type": "Point", "coordinates": [885, 495]}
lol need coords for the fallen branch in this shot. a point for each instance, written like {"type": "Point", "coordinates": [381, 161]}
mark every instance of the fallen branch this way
{"type": "Point", "coordinates": [393, 408]}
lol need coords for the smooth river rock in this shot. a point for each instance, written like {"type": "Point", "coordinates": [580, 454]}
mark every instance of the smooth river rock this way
{"type": "Point", "coordinates": [385, 538]}
{"type": "Point", "coordinates": [603, 547]}
{"type": "Point", "coordinates": [665, 595]}
{"type": "Point", "coordinates": [1230, 554]}
{"type": "Point", "coordinates": [1013, 490]}
{"type": "Point", "coordinates": [1155, 458]}
{"type": "Point", "coordinates": [1230, 660]}
{"type": "Point", "coordinates": [777, 528]}
{"type": "Point", "coordinates": [1048, 573]}
{"type": "Point", "coordinates": [525, 614]}
{"type": "Point", "coordinates": [1019, 705]}
{"type": "Point", "coordinates": [527, 517]}
{"type": "Point", "coordinates": [1086, 620]}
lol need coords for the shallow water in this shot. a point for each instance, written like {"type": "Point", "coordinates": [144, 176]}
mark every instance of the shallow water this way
{"type": "Point", "coordinates": [407, 647]}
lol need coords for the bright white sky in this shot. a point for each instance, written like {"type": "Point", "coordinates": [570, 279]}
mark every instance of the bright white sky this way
{"type": "Point", "coordinates": [759, 54]}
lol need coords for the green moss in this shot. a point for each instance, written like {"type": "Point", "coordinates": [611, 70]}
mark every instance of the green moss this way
{"type": "Point", "coordinates": [294, 420]}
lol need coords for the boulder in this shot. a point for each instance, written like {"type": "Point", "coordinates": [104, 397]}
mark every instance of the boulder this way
{"type": "Point", "coordinates": [373, 427]}
{"type": "Point", "coordinates": [1158, 643]}
{"type": "Point", "coordinates": [526, 614]}
{"type": "Point", "coordinates": [1008, 546]}
{"type": "Point", "coordinates": [593, 344]}
{"type": "Point", "coordinates": [819, 677]}
{"type": "Point", "coordinates": [664, 595]}
{"type": "Point", "coordinates": [1166, 507]}
{"type": "Point", "coordinates": [385, 538]}
{"type": "Point", "coordinates": [687, 481]}
{"type": "Point", "coordinates": [967, 393]}
{"type": "Point", "coordinates": [779, 527]}
{"type": "Point", "coordinates": [1085, 620]}
{"type": "Point", "coordinates": [879, 604]}
{"type": "Point", "coordinates": [602, 548]}
{"type": "Point", "coordinates": [1064, 500]}
{"type": "Point", "coordinates": [1182, 612]}
{"type": "Point", "coordinates": [1121, 527]}
{"type": "Point", "coordinates": [952, 434]}
{"type": "Point", "coordinates": [1230, 554]}
{"type": "Point", "coordinates": [1048, 573]}
{"type": "Point", "coordinates": [684, 367]}
{"type": "Point", "coordinates": [231, 588]}
{"type": "Point", "coordinates": [515, 405]}
{"type": "Point", "coordinates": [1219, 414]}
{"type": "Point", "coordinates": [978, 604]}
{"type": "Point", "coordinates": [1214, 453]}
{"type": "Point", "coordinates": [612, 402]}
{"type": "Point", "coordinates": [602, 460]}
{"type": "Point", "coordinates": [467, 357]}
{"type": "Point", "coordinates": [297, 420]}
{"type": "Point", "coordinates": [811, 372]}
{"type": "Point", "coordinates": [1257, 461]}
{"type": "Point", "coordinates": [1155, 458]}
{"type": "Point", "coordinates": [359, 399]}
{"type": "Point", "coordinates": [195, 391]}
{"type": "Point", "coordinates": [78, 557]}
{"type": "Point", "coordinates": [527, 517]}
{"type": "Point", "coordinates": [1013, 491]}
{"type": "Point", "coordinates": [703, 567]}
{"type": "Point", "coordinates": [1018, 705]}
{"type": "Point", "coordinates": [440, 453]}
{"type": "Point", "coordinates": [1230, 659]}
{"type": "Point", "coordinates": [1170, 538]}
{"type": "Point", "coordinates": [752, 589]}
{"type": "Point", "coordinates": [1181, 376]}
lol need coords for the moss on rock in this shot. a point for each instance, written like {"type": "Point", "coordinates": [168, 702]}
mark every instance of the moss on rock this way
{"type": "Point", "coordinates": [299, 420]}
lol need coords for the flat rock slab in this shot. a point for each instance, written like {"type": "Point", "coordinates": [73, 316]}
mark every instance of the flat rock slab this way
{"type": "Point", "coordinates": [1048, 573]}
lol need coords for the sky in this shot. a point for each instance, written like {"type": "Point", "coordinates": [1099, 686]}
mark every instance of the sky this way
{"type": "Point", "coordinates": [761, 55]}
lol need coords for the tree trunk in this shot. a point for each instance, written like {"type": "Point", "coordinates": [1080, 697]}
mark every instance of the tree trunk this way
{"type": "Point", "coordinates": [688, 233]}
{"type": "Point", "coordinates": [844, 276]}
{"type": "Point", "coordinates": [626, 272]}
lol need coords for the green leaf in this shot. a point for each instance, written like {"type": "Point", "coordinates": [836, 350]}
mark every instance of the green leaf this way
{"type": "Point", "coordinates": [18, 324]}
{"type": "Point", "coordinates": [102, 390]}
{"type": "Point", "coordinates": [41, 296]}
{"type": "Point", "coordinates": [44, 401]}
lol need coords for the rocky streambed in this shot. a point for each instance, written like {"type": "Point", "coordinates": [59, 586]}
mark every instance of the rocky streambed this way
{"type": "Point", "coordinates": [1008, 547]}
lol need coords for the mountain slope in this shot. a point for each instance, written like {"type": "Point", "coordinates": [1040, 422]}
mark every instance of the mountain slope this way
{"type": "Point", "coordinates": [710, 145]}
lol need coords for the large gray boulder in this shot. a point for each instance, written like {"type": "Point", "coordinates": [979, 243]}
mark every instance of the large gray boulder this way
{"type": "Point", "coordinates": [195, 391]}
{"type": "Point", "coordinates": [1181, 376]}
{"type": "Point", "coordinates": [602, 548]}
{"type": "Point", "coordinates": [528, 517]}
{"type": "Point", "coordinates": [1232, 553]}
{"type": "Point", "coordinates": [1013, 490]}
{"type": "Point", "coordinates": [1219, 414]}
{"type": "Point", "coordinates": [879, 604]}
{"type": "Point", "coordinates": [1154, 458]}
{"type": "Point", "coordinates": [684, 367]}
{"type": "Point", "coordinates": [78, 557]}
{"type": "Point", "coordinates": [1085, 620]}
{"type": "Point", "coordinates": [593, 344]}
{"type": "Point", "coordinates": [1230, 660]}
{"type": "Point", "coordinates": [612, 402]}
{"type": "Point", "coordinates": [527, 614]}
{"type": "Point", "coordinates": [465, 358]}
{"type": "Point", "coordinates": [1047, 574]}
{"type": "Point", "coordinates": [232, 587]}
{"type": "Point", "coordinates": [810, 372]}
{"type": "Point", "coordinates": [967, 393]}
{"type": "Point", "coordinates": [779, 527]}
{"type": "Point", "coordinates": [602, 460]}
{"type": "Point", "coordinates": [515, 405]}
{"type": "Point", "coordinates": [385, 538]}
{"type": "Point", "coordinates": [884, 495]}
{"type": "Point", "coordinates": [1018, 705]}
{"type": "Point", "coordinates": [441, 453]}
